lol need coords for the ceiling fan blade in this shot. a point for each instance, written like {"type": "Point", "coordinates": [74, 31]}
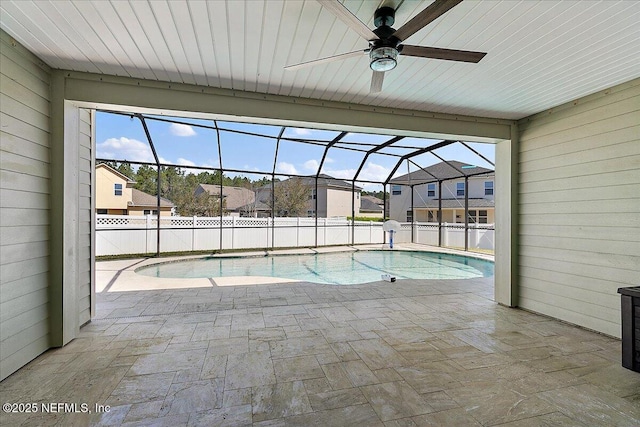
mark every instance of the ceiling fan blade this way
{"type": "Point", "coordinates": [377, 78]}
{"type": "Point", "coordinates": [327, 59]}
{"type": "Point", "coordinates": [424, 18]}
{"type": "Point", "coordinates": [438, 53]}
{"type": "Point", "coordinates": [342, 13]}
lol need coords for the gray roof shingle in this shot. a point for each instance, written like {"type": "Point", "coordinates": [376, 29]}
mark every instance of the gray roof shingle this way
{"type": "Point", "coordinates": [440, 171]}
{"type": "Point", "coordinates": [140, 198]}
{"type": "Point", "coordinates": [234, 197]}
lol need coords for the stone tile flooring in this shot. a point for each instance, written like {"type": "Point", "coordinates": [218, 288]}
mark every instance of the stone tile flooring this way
{"type": "Point", "coordinates": [410, 353]}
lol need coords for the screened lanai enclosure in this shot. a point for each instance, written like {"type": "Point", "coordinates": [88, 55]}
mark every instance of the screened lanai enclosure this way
{"type": "Point", "coordinates": [242, 185]}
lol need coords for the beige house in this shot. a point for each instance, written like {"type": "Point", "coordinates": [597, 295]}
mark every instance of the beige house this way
{"type": "Point", "coordinates": [481, 183]}
{"type": "Point", "coordinates": [334, 197]}
{"type": "Point", "coordinates": [115, 195]}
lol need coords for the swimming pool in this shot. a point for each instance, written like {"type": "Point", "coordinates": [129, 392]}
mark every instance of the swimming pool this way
{"type": "Point", "coordinates": [342, 268]}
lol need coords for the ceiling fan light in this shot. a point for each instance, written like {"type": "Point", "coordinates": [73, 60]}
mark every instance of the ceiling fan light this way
{"type": "Point", "coordinates": [383, 58]}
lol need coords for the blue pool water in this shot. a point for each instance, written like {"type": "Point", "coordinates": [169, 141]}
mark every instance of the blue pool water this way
{"type": "Point", "coordinates": [343, 268]}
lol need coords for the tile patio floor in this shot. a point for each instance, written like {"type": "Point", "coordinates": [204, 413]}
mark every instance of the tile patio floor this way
{"type": "Point", "coordinates": [410, 353]}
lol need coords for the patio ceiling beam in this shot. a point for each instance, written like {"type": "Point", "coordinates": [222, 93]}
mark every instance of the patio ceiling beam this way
{"type": "Point", "coordinates": [417, 153]}
{"type": "Point", "coordinates": [93, 90]}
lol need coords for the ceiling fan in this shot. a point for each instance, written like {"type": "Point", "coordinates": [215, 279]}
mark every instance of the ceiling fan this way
{"type": "Point", "coordinates": [385, 42]}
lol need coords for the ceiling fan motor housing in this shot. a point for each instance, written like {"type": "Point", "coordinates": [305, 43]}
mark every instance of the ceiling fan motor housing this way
{"type": "Point", "coordinates": [384, 16]}
{"type": "Point", "coordinates": [384, 51]}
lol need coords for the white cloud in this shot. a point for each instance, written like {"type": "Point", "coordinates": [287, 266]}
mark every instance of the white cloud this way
{"type": "Point", "coordinates": [328, 160]}
{"type": "Point", "coordinates": [301, 131]}
{"type": "Point", "coordinates": [125, 149]}
{"type": "Point", "coordinates": [340, 173]}
{"type": "Point", "coordinates": [374, 172]}
{"type": "Point", "coordinates": [184, 162]}
{"type": "Point", "coordinates": [311, 165]}
{"type": "Point", "coordinates": [288, 168]}
{"type": "Point", "coordinates": [179, 129]}
{"type": "Point", "coordinates": [371, 172]}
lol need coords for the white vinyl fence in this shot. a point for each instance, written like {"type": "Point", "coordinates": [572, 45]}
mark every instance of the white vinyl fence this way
{"type": "Point", "coordinates": [121, 234]}
{"type": "Point", "coordinates": [481, 236]}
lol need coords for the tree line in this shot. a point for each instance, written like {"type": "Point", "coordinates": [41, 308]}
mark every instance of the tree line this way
{"type": "Point", "coordinates": [176, 185]}
{"type": "Point", "coordinates": [292, 197]}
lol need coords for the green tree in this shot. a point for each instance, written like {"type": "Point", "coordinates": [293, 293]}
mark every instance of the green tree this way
{"type": "Point", "coordinates": [202, 204]}
{"type": "Point", "coordinates": [146, 179]}
{"type": "Point", "coordinates": [291, 198]}
{"type": "Point", "coordinates": [123, 168]}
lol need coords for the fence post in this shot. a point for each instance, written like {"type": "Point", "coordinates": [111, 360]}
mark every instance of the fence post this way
{"type": "Point", "coordinates": [445, 235]}
{"type": "Point", "coordinates": [476, 232]}
{"type": "Point", "coordinates": [269, 232]}
{"type": "Point", "coordinates": [193, 233]}
{"type": "Point", "coordinates": [324, 222]}
{"type": "Point", "coordinates": [298, 233]}
{"type": "Point", "coordinates": [146, 233]}
{"type": "Point", "coordinates": [233, 231]}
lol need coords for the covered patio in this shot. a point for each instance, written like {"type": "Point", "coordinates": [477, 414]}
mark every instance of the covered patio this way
{"type": "Point", "coordinates": [419, 353]}
{"type": "Point", "coordinates": [555, 85]}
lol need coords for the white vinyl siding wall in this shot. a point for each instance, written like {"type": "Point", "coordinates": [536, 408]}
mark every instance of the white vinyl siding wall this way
{"type": "Point", "coordinates": [85, 215]}
{"type": "Point", "coordinates": [579, 208]}
{"type": "Point", "coordinates": [24, 206]}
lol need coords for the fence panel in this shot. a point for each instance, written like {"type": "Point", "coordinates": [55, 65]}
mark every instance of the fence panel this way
{"type": "Point", "coordinates": [119, 235]}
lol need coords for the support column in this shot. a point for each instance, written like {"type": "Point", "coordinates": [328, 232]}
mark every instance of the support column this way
{"type": "Point", "coordinates": [506, 221]}
{"type": "Point", "coordinates": [412, 216]}
{"type": "Point", "coordinates": [440, 213]}
{"type": "Point", "coordinates": [466, 213]}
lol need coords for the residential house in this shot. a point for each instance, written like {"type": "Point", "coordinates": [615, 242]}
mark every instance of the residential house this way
{"type": "Point", "coordinates": [115, 195]}
{"type": "Point", "coordinates": [425, 194]}
{"type": "Point", "coordinates": [334, 197]}
{"type": "Point", "coordinates": [236, 201]}
{"type": "Point", "coordinates": [371, 206]}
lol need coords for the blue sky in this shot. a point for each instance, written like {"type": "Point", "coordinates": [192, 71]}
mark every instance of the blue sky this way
{"type": "Point", "coordinates": [119, 137]}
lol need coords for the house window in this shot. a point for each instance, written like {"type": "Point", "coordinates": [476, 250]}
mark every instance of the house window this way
{"type": "Point", "coordinates": [472, 217]}
{"type": "Point", "coordinates": [396, 190]}
{"type": "Point", "coordinates": [431, 190]}
{"type": "Point", "coordinates": [311, 213]}
{"type": "Point", "coordinates": [102, 211]}
{"type": "Point", "coordinates": [148, 212]}
{"type": "Point", "coordinates": [482, 217]}
{"type": "Point", "coordinates": [409, 216]}
{"type": "Point", "coordinates": [488, 188]}
{"type": "Point", "coordinates": [117, 189]}
{"type": "Point", "coordinates": [478, 217]}
{"type": "Point", "coordinates": [313, 195]}
{"type": "Point", "coordinates": [460, 189]}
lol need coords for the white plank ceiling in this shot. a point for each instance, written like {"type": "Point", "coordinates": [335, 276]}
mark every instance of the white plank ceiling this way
{"type": "Point", "coordinates": [540, 53]}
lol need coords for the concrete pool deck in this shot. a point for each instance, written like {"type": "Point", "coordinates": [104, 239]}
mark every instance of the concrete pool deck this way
{"type": "Point", "coordinates": [409, 353]}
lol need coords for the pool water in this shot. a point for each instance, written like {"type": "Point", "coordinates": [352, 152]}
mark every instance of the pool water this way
{"type": "Point", "coordinates": [343, 268]}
